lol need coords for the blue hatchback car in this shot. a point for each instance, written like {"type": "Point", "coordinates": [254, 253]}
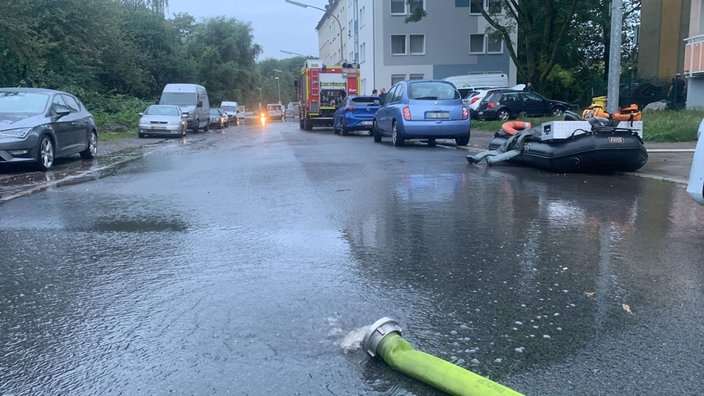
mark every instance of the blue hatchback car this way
{"type": "Point", "coordinates": [422, 109]}
{"type": "Point", "coordinates": [356, 113]}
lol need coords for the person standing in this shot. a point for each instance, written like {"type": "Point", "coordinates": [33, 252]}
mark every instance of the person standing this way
{"type": "Point", "coordinates": [382, 95]}
{"type": "Point", "coordinates": [677, 93]}
{"type": "Point", "coordinates": [529, 87]}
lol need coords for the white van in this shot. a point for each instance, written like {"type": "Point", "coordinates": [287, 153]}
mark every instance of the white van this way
{"type": "Point", "coordinates": [192, 99]}
{"type": "Point", "coordinates": [466, 83]}
{"type": "Point", "coordinates": [232, 111]}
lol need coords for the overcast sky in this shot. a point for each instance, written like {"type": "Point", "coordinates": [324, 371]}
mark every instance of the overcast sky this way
{"type": "Point", "coordinates": [277, 25]}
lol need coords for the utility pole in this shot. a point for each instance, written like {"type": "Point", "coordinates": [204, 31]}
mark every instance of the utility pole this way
{"type": "Point", "coordinates": [615, 56]}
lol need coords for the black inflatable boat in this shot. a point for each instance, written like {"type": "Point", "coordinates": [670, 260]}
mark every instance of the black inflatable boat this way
{"type": "Point", "coordinates": [595, 149]}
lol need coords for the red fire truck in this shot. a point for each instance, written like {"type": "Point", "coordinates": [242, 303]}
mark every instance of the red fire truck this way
{"type": "Point", "coordinates": [322, 89]}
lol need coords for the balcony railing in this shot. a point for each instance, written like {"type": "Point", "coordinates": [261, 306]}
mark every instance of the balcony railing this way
{"type": "Point", "coordinates": [694, 55]}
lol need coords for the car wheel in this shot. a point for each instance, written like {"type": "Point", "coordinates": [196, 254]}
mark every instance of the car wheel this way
{"type": "Point", "coordinates": [45, 153]}
{"type": "Point", "coordinates": [141, 135]}
{"type": "Point", "coordinates": [334, 127]}
{"type": "Point", "coordinates": [343, 130]}
{"type": "Point", "coordinates": [300, 123]}
{"type": "Point", "coordinates": [376, 133]}
{"type": "Point", "coordinates": [462, 141]}
{"type": "Point", "coordinates": [92, 149]}
{"type": "Point", "coordinates": [206, 128]}
{"type": "Point", "coordinates": [396, 137]}
{"type": "Point", "coordinates": [432, 143]}
{"type": "Point", "coordinates": [558, 111]}
{"type": "Point", "coordinates": [503, 115]}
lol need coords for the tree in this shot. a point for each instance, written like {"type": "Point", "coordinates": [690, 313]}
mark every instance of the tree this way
{"type": "Point", "coordinates": [225, 52]}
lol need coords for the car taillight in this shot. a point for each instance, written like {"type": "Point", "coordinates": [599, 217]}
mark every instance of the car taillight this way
{"type": "Point", "coordinates": [490, 105]}
{"type": "Point", "coordinates": [465, 113]}
{"type": "Point", "coordinates": [473, 100]}
{"type": "Point", "coordinates": [406, 113]}
{"type": "Point", "coordinates": [350, 108]}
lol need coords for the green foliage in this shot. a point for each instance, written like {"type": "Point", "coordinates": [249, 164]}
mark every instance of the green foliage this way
{"type": "Point", "coordinates": [115, 113]}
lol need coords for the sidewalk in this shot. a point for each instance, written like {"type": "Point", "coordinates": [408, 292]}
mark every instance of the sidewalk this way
{"type": "Point", "coordinates": [666, 161]}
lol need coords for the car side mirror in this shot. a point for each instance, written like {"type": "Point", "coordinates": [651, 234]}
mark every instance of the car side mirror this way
{"type": "Point", "coordinates": [200, 103]}
{"type": "Point", "coordinates": [62, 112]}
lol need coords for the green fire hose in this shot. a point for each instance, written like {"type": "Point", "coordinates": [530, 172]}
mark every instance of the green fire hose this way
{"type": "Point", "coordinates": [384, 340]}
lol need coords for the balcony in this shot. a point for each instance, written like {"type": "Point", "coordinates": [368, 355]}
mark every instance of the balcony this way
{"type": "Point", "coordinates": [694, 56]}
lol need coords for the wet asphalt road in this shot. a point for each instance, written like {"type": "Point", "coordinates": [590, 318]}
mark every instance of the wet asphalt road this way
{"type": "Point", "coordinates": [237, 263]}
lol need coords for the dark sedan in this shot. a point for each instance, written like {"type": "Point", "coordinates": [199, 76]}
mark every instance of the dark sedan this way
{"type": "Point", "coordinates": [505, 104]}
{"type": "Point", "coordinates": [356, 113]}
{"type": "Point", "coordinates": [38, 125]}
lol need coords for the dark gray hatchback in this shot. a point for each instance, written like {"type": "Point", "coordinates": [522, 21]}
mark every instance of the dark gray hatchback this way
{"type": "Point", "coordinates": [38, 125]}
{"type": "Point", "coordinates": [505, 104]}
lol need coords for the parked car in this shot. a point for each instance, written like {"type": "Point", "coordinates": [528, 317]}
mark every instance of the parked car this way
{"type": "Point", "coordinates": [356, 113]}
{"type": "Point", "coordinates": [38, 125]}
{"type": "Point", "coordinates": [504, 104]}
{"type": "Point", "coordinates": [162, 120]}
{"type": "Point", "coordinates": [474, 98]}
{"type": "Point", "coordinates": [218, 119]}
{"type": "Point", "coordinates": [275, 112]}
{"type": "Point", "coordinates": [422, 109]}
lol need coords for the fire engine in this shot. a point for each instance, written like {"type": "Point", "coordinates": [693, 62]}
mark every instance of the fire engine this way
{"type": "Point", "coordinates": [322, 89]}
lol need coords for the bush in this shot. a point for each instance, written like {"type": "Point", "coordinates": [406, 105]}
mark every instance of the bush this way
{"type": "Point", "coordinates": [115, 113]}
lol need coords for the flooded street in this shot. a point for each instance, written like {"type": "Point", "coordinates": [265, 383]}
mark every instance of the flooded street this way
{"type": "Point", "coordinates": [238, 263]}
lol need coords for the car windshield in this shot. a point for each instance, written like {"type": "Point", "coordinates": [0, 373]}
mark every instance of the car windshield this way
{"type": "Point", "coordinates": [163, 110]}
{"type": "Point", "coordinates": [228, 108]}
{"type": "Point", "coordinates": [366, 101]}
{"type": "Point", "coordinates": [179, 98]}
{"type": "Point", "coordinates": [432, 90]}
{"type": "Point", "coordinates": [23, 102]}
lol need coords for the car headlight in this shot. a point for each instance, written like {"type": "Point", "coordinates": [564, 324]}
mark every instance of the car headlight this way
{"type": "Point", "coordinates": [16, 133]}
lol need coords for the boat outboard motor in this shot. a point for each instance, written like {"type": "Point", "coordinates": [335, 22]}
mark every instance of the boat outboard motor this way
{"type": "Point", "coordinates": [571, 116]}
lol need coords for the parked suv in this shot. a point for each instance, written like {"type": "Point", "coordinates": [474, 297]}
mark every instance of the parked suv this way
{"type": "Point", "coordinates": [505, 104]}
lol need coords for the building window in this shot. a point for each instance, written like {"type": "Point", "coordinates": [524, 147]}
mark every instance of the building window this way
{"type": "Point", "coordinates": [398, 44]}
{"type": "Point", "coordinates": [416, 44]}
{"type": "Point", "coordinates": [494, 43]}
{"type": "Point", "coordinates": [397, 78]}
{"type": "Point", "coordinates": [486, 43]}
{"type": "Point", "coordinates": [362, 16]}
{"type": "Point", "coordinates": [492, 6]}
{"type": "Point", "coordinates": [398, 7]}
{"type": "Point", "coordinates": [362, 52]}
{"type": "Point", "coordinates": [476, 43]}
{"type": "Point", "coordinates": [401, 7]}
{"type": "Point", "coordinates": [416, 76]}
{"type": "Point", "coordinates": [475, 6]}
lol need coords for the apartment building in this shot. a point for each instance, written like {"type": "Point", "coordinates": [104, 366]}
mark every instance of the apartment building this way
{"type": "Point", "coordinates": [452, 39]}
{"type": "Point", "coordinates": [694, 56]}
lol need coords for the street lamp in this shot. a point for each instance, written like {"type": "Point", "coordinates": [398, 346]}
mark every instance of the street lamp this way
{"type": "Point", "coordinates": [278, 87]}
{"type": "Point", "coordinates": [293, 53]}
{"type": "Point", "coordinates": [296, 3]}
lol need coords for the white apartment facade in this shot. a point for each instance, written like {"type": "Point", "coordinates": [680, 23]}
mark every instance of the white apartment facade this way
{"type": "Point", "coordinates": [452, 39]}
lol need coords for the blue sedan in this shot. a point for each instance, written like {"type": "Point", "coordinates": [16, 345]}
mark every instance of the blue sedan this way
{"type": "Point", "coordinates": [422, 109]}
{"type": "Point", "coordinates": [356, 113]}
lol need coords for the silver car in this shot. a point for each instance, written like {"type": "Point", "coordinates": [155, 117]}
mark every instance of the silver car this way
{"type": "Point", "coordinates": [162, 120]}
{"type": "Point", "coordinates": [38, 125]}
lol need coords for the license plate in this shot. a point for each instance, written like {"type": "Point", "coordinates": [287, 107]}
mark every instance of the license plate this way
{"type": "Point", "coordinates": [160, 128]}
{"type": "Point", "coordinates": [367, 123]}
{"type": "Point", "coordinates": [437, 115]}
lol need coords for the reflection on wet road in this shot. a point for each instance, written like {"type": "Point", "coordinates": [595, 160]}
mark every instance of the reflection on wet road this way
{"type": "Point", "coordinates": [238, 263]}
